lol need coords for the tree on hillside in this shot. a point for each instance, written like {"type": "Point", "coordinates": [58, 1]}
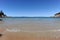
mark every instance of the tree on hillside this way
{"type": "Point", "coordinates": [2, 14]}
{"type": "Point", "coordinates": [57, 13]}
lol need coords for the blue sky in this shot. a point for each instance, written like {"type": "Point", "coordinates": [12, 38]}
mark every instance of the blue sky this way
{"type": "Point", "coordinates": [44, 8]}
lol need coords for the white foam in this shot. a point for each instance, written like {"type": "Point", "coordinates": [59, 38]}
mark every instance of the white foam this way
{"type": "Point", "coordinates": [18, 30]}
{"type": "Point", "coordinates": [13, 30]}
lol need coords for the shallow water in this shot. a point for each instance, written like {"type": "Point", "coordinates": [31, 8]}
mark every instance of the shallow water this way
{"type": "Point", "coordinates": [31, 24]}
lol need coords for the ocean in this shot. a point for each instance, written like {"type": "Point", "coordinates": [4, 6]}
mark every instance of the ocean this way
{"type": "Point", "coordinates": [31, 24]}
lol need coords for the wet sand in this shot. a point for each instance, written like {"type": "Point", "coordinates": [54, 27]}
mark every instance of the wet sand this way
{"type": "Point", "coordinates": [29, 35]}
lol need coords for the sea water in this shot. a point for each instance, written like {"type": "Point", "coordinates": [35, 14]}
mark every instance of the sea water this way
{"type": "Point", "coordinates": [30, 24]}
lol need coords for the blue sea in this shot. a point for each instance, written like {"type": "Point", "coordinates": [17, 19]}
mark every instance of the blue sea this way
{"type": "Point", "coordinates": [31, 23]}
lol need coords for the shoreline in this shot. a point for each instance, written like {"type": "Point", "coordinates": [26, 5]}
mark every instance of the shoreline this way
{"type": "Point", "coordinates": [29, 35]}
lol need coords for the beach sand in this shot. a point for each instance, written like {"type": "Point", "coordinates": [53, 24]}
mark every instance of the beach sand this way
{"type": "Point", "coordinates": [29, 35]}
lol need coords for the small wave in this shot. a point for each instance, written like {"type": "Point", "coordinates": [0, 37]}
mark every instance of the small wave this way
{"type": "Point", "coordinates": [13, 30]}
{"type": "Point", "coordinates": [18, 30]}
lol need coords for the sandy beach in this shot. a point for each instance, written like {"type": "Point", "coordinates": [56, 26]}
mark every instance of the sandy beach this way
{"type": "Point", "coordinates": [29, 19]}
{"type": "Point", "coordinates": [31, 29]}
{"type": "Point", "coordinates": [29, 35]}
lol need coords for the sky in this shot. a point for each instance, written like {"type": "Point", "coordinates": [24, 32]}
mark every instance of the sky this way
{"type": "Point", "coordinates": [30, 8]}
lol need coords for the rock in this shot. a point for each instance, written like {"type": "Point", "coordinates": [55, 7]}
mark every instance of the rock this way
{"type": "Point", "coordinates": [0, 35]}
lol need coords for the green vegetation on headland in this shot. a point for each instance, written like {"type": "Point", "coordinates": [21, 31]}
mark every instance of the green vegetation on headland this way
{"type": "Point", "coordinates": [57, 14]}
{"type": "Point", "coordinates": [2, 15]}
